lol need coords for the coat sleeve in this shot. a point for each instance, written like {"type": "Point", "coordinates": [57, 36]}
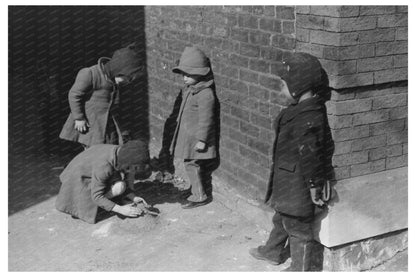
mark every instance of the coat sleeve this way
{"type": "Point", "coordinates": [76, 95]}
{"type": "Point", "coordinates": [206, 116]}
{"type": "Point", "coordinates": [310, 134]}
{"type": "Point", "coordinates": [100, 180]}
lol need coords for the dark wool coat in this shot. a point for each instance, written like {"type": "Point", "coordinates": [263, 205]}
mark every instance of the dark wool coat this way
{"type": "Point", "coordinates": [196, 122]}
{"type": "Point", "coordinates": [85, 181]}
{"type": "Point", "coordinates": [95, 98]}
{"type": "Point", "coordinates": [302, 151]}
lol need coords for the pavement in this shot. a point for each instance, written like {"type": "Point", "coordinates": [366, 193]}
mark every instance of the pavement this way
{"type": "Point", "coordinates": [215, 237]}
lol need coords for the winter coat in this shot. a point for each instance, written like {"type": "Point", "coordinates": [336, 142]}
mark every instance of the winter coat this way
{"type": "Point", "coordinates": [196, 122]}
{"type": "Point", "coordinates": [93, 97]}
{"type": "Point", "coordinates": [85, 180]}
{"type": "Point", "coordinates": [302, 152]}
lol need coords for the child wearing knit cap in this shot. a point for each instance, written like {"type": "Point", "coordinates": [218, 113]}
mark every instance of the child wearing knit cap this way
{"type": "Point", "coordinates": [195, 138]}
{"type": "Point", "coordinates": [93, 179]}
{"type": "Point", "coordinates": [94, 99]}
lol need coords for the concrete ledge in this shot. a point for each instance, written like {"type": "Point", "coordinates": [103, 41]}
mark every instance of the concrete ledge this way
{"type": "Point", "coordinates": [364, 207]}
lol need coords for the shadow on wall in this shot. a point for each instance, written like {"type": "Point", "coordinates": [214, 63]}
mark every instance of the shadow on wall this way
{"type": "Point", "coordinates": [48, 45]}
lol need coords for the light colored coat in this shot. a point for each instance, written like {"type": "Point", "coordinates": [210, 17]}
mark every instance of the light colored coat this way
{"type": "Point", "coordinates": [196, 122]}
{"type": "Point", "coordinates": [85, 181]}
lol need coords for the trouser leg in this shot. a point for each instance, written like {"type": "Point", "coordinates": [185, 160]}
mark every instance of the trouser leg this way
{"type": "Point", "coordinates": [193, 170]}
{"type": "Point", "coordinates": [275, 247]}
{"type": "Point", "coordinates": [300, 240]}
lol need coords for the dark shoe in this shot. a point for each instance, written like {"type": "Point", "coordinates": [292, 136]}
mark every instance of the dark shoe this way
{"type": "Point", "coordinates": [259, 256]}
{"type": "Point", "coordinates": [191, 205]}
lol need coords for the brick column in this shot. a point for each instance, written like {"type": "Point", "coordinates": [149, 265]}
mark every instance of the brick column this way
{"type": "Point", "coordinates": [364, 52]}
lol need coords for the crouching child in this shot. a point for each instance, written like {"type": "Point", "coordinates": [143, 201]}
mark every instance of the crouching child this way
{"type": "Point", "coordinates": [94, 177]}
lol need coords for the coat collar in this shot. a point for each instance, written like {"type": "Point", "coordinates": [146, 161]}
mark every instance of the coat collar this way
{"type": "Point", "coordinates": [194, 89]}
{"type": "Point", "coordinates": [310, 104]}
{"type": "Point", "coordinates": [101, 62]}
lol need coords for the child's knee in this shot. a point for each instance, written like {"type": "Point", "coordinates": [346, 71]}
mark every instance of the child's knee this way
{"type": "Point", "coordinates": [117, 189]}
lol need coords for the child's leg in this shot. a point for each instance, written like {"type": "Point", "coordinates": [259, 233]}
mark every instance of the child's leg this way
{"type": "Point", "coordinates": [275, 248]}
{"type": "Point", "coordinates": [193, 171]}
{"type": "Point", "coordinates": [300, 240]}
{"type": "Point", "coordinates": [117, 189]}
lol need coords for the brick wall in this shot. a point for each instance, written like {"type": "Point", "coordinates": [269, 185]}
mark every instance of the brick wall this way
{"type": "Point", "coordinates": [363, 49]}
{"type": "Point", "coordinates": [364, 52]}
{"type": "Point", "coordinates": [243, 43]}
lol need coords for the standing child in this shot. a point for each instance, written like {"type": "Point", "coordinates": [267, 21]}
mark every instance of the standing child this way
{"type": "Point", "coordinates": [195, 136]}
{"type": "Point", "coordinates": [302, 154]}
{"type": "Point", "coordinates": [94, 99]}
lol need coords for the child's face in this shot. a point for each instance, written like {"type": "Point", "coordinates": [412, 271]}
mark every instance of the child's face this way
{"type": "Point", "coordinates": [190, 79]}
{"type": "Point", "coordinates": [287, 97]}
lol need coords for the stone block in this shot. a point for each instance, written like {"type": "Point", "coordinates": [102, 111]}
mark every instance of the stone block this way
{"type": "Point", "coordinates": [351, 133]}
{"type": "Point", "coordinates": [350, 159]}
{"type": "Point", "coordinates": [390, 75]}
{"type": "Point", "coordinates": [400, 61]}
{"type": "Point", "coordinates": [350, 24]}
{"type": "Point", "coordinates": [375, 10]}
{"type": "Point", "coordinates": [340, 67]}
{"type": "Point", "coordinates": [368, 143]}
{"type": "Point", "coordinates": [370, 117]}
{"type": "Point", "coordinates": [376, 35]}
{"type": "Point", "coordinates": [302, 35]}
{"type": "Point", "coordinates": [310, 22]}
{"type": "Point", "coordinates": [373, 64]}
{"type": "Point", "coordinates": [396, 162]}
{"type": "Point", "coordinates": [352, 80]}
{"type": "Point", "coordinates": [402, 33]}
{"type": "Point", "coordinates": [398, 113]}
{"type": "Point", "coordinates": [391, 48]}
{"type": "Point", "coordinates": [390, 101]}
{"type": "Point", "coordinates": [392, 20]}
{"type": "Point", "coordinates": [355, 213]}
{"type": "Point", "coordinates": [313, 49]}
{"type": "Point", "coordinates": [349, 106]}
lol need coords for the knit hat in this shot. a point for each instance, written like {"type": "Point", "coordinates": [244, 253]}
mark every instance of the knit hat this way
{"type": "Point", "coordinates": [193, 62]}
{"type": "Point", "coordinates": [302, 72]}
{"type": "Point", "coordinates": [126, 62]}
{"type": "Point", "coordinates": [133, 152]}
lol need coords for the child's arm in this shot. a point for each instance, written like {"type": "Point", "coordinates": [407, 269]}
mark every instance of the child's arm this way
{"type": "Point", "coordinates": [82, 85]}
{"type": "Point", "coordinates": [206, 116]}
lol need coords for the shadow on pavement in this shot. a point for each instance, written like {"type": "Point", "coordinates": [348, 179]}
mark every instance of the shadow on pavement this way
{"type": "Point", "coordinates": [158, 193]}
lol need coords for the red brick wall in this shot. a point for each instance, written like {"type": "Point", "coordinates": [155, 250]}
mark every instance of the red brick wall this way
{"type": "Point", "coordinates": [363, 49]}
{"type": "Point", "coordinates": [364, 52]}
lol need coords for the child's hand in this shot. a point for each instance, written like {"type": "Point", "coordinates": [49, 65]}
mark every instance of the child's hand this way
{"type": "Point", "coordinates": [138, 200]}
{"type": "Point", "coordinates": [81, 126]}
{"type": "Point", "coordinates": [316, 194]}
{"type": "Point", "coordinates": [128, 210]}
{"type": "Point", "coordinates": [200, 146]}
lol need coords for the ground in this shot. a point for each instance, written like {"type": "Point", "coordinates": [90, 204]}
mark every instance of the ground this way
{"type": "Point", "coordinates": [208, 238]}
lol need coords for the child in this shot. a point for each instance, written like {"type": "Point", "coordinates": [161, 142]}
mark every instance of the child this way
{"type": "Point", "coordinates": [195, 136]}
{"type": "Point", "coordinates": [93, 178]}
{"type": "Point", "coordinates": [94, 99]}
{"type": "Point", "coordinates": [301, 163]}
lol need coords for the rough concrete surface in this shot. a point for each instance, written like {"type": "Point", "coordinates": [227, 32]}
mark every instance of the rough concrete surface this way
{"type": "Point", "coordinates": [214, 237]}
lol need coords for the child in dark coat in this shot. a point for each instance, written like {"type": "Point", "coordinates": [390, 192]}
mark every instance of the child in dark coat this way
{"type": "Point", "coordinates": [195, 136]}
{"type": "Point", "coordinates": [302, 154]}
{"type": "Point", "coordinates": [94, 99]}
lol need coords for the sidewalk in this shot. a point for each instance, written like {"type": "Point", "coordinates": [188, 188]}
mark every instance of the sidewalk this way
{"type": "Point", "coordinates": [215, 237]}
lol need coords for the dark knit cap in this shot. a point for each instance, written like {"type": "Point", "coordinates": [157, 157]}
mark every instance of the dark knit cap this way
{"type": "Point", "coordinates": [302, 72]}
{"type": "Point", "coordinates": [125, 62]}
{"type": "Point", "coordinates": [133, 152]}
